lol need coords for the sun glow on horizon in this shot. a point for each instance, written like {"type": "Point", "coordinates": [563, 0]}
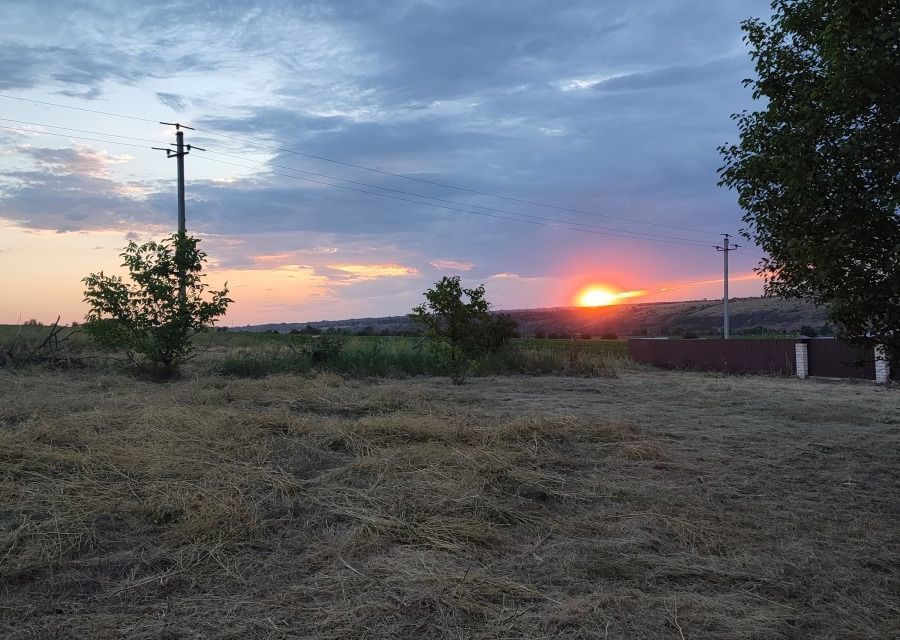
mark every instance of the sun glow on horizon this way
{"type": "Point", "coordinates": [602, 296]}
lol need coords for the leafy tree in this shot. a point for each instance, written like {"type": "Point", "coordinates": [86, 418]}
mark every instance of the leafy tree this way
{"type": "Point", "coordinates": [817, 170]}
{"type": "Point", "coordinates": [461, 329]}
{"type": "Point", "coordinates": [146, 317]}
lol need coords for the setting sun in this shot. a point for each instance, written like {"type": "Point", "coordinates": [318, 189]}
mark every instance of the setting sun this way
{"type": "Point", "coordinates": [600, 296]}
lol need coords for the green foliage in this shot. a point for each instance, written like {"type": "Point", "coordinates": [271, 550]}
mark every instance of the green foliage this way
{"type": "Point", "coordinates": [146, 317]}
{"type": "Point", "coordinates": [399, 357]}
{"type": "Point", "coordinates": [817, 171]}
{"type": "Point", "coordinates": [461, 330]}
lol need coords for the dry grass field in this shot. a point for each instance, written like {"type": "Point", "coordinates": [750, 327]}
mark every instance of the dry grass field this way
{"type": "Point", "coordinates": [648, 505]}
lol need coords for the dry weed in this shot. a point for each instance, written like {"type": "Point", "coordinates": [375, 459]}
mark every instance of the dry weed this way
{"type": "Point", "coordinates": [646, 506]}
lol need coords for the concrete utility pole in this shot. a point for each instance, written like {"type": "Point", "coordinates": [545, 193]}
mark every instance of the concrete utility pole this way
{"type": "Point", "coordinates": [725, 248]}
{"type": "Point", "coordinates": [181, 150]}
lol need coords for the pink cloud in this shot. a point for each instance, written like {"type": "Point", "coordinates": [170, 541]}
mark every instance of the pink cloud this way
{"type": "Point", "coordinates": [452, 265]}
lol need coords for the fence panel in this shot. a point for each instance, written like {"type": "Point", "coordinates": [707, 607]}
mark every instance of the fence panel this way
{"type": "Point", "coordinates": [773, 356]}
{"type": "Point", "coordinates": [832, 358]}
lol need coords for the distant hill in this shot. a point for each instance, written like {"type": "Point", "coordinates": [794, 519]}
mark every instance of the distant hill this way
{"type": "Point", "coordinates": [703, 317]}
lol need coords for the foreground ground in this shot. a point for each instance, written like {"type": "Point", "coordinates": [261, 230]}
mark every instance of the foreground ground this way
{"type": "Point", "coordinates": [650, 505]}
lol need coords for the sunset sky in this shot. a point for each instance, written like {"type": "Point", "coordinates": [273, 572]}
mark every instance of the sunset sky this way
{"type": "Point", "coordinates": [613, 109]}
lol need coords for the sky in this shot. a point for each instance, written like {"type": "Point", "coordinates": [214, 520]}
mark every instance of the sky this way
{"type": "Point", "coordinates": [356, 152]}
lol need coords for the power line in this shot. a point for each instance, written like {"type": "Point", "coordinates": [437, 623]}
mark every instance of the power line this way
{"type": "Point", "coordinates": [575, 225]}
{"type": "Point", "coordinates": [67, 106]}
{"type": "Point", "coordinates": [449, 186]}
{"type": "Point", "coordinates": [66, 135]}
{"type": "Point", "coordinates": [571, 226]}
{"type": "Point", "coordinates": [99, 133]}
{"type": "Point", "coordinates": [453, 202]}
{"type": "Point", "coordinates": [372, 169]}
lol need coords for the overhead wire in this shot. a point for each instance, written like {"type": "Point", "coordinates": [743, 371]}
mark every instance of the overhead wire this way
{"type": "Point", "coordinates": [450, 202]}
{"type": "Point", "coordinates": [268, 147]}
{"type": "Point", "coordinates": [66, 135]}
{"type": "Point", "coordinates": [68, 106]}
{"type": "Point", "coordinates": [571, 226]}
{"type": "Point", "coordinates": [458, 207]}
{"type": "Point", "coordinates": [99, 133]}
{"type": "Point", "coordinates": [447, 186]}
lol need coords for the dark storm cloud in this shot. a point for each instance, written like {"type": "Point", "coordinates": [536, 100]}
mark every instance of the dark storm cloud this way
{"type": "Point", "coordinates": [606, 106]}
{"type": "Point", "coordinates": [659, 83]}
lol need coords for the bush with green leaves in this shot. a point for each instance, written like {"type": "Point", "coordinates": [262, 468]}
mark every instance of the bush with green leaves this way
{"type": "Point", "coordinates": [147, 317]}
{"type": "Point", "coordinates": [461, 330]}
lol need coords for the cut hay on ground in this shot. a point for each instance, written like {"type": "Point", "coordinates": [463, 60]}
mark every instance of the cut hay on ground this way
{"type": "Point", "coordinates": [652, 505]}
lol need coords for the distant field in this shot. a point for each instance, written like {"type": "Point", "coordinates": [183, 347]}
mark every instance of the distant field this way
{"type": "Point", "coordinates": [649, 505]}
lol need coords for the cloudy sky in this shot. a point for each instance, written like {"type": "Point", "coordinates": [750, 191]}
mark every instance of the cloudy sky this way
{"type": "Point", "coordinates": [534, 146]}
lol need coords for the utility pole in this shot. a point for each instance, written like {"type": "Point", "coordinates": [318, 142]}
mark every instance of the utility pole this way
{"type": "Point", "coordinates": [181, 150]}
{"type": "Point", "coordinates": [725, 248]}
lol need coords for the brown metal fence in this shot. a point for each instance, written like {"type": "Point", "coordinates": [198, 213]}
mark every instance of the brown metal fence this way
{"type": "Point", "coordinates": [775, 356]}
{"type": "Point", "coordinates": [832, 358]}
{"type": "Point", "coordinates": [828, 357]}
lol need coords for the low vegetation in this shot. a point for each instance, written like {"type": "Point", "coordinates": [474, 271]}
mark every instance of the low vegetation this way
{"type": "Point", "coordinates": [404, 357]}
{"type": "Point", "coordinates": [649, 505]}
{"type": "Point", "coordinates": [460, 329]}
{"type": "Point", "coordinates": [153, 316]}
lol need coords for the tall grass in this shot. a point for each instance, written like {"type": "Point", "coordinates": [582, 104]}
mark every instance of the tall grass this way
{"type": "Point", "coordinates": [405, 357]}
{"type": "Point", "coordinates": [256, 355]}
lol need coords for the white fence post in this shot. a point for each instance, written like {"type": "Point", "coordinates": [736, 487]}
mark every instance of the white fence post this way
{"type": "Point", "coordinates": [882, 365]}
{"type": "Point", "coordinates": [802, 359]}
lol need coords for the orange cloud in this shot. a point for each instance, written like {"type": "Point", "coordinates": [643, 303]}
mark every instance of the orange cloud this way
{"type": "Point", "coordinates": [256, 291]}
{"type": "Point", "coordinates": [373, 271]}
{"type": "Point", "coordinates": [275, 257]}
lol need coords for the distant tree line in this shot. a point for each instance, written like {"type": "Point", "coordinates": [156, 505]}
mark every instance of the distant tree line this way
{"type": "Point", "coordinates": [367, 330]}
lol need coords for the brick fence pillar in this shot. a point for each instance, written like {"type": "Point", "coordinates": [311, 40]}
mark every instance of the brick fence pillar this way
{"type": "Point", "coordinates": [882, 366]}
{"type": "Point", "coordinates": [802, 359]}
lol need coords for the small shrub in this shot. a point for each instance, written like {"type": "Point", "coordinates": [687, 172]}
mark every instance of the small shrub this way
{"type": "Point", "coordinates": [461, 331]}
{"type": "Point", "coordinates": [154, 317]}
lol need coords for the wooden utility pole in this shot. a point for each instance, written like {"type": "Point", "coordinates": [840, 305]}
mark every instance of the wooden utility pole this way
{"type": "Point", "coordinates": [726, 247]}
{"type": "Point", "coordinates": [181, 150]}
